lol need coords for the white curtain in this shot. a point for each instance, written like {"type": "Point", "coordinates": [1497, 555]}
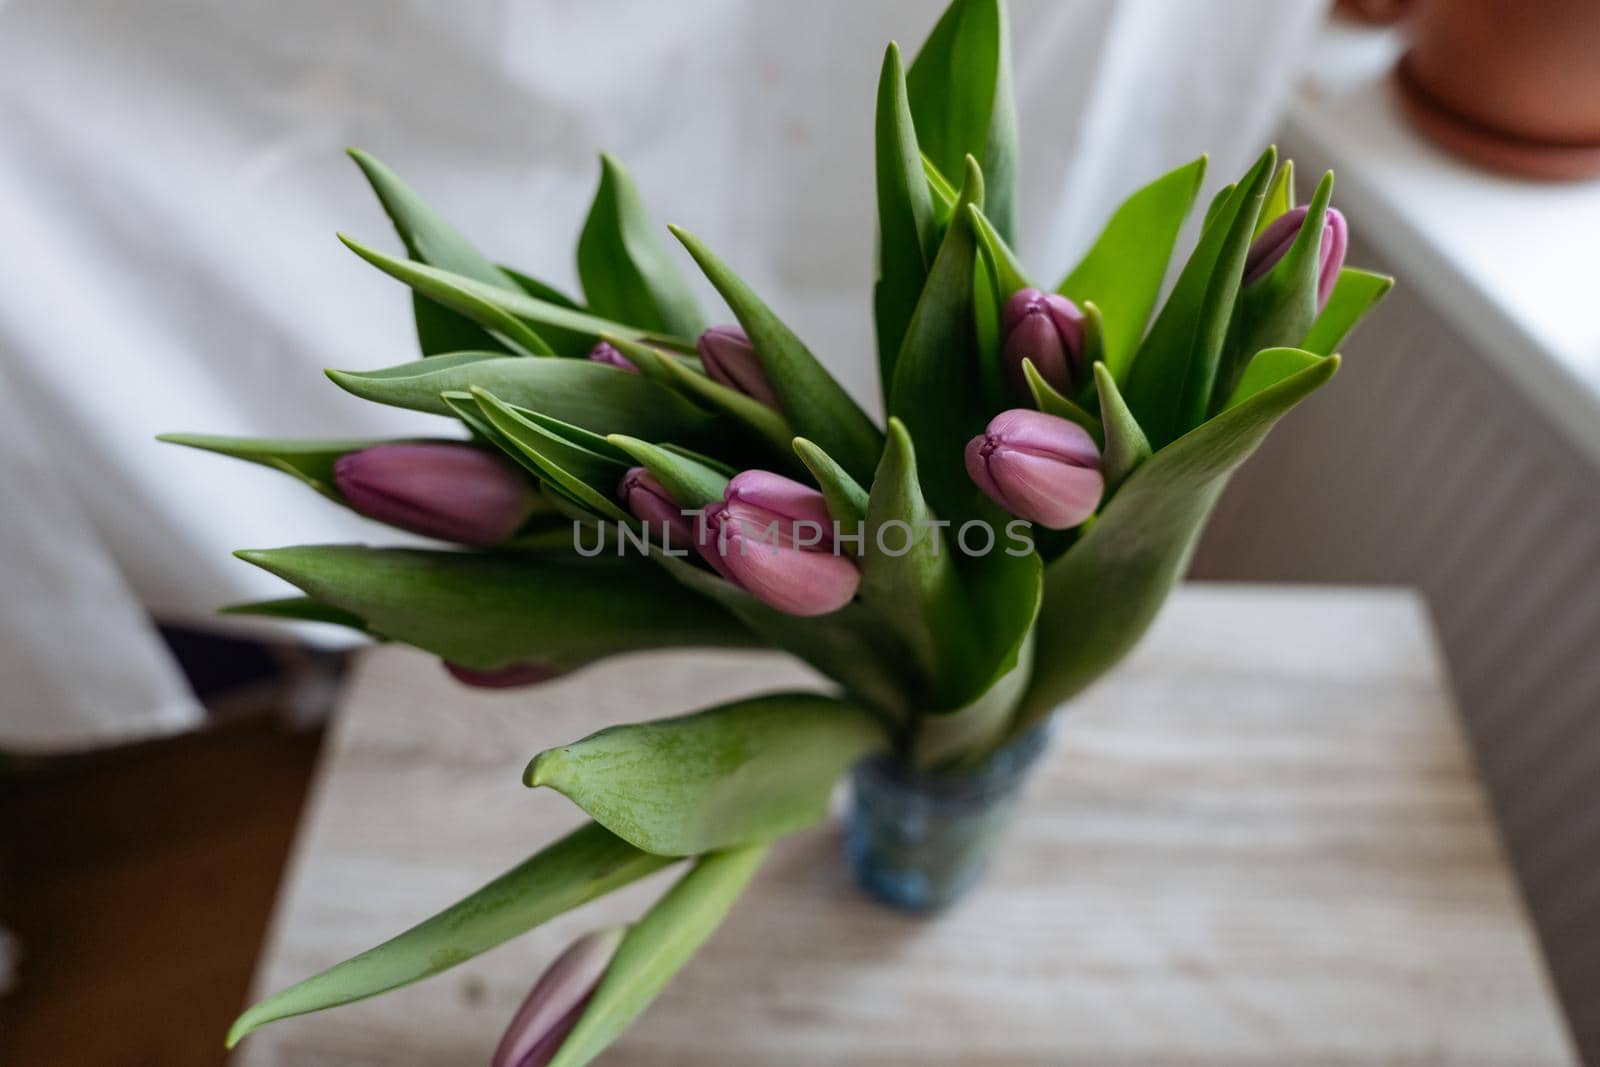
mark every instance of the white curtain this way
{"type": "Point", "coordinates": [172, 174]}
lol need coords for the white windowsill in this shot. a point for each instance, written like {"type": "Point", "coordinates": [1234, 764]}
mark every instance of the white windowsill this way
{"type": "Point", "coordinates": [1513, 264]}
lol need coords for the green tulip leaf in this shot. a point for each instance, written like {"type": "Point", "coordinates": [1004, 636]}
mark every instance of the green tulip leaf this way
{"type": "Point", "coordinates": [1169, 386]}
{"type": "Point", "coordinates": [626, 271]}
{"type": "Point", "coordinates": [491, 610]}
{"type": "Point", "coordinates": [565, 342]}
{"type": "Point", "coordinates": [1008, 270]}
{"type": "Point", "coordinates": [1125, 445]}
{"type": "Point", "coordinates": [311, 461]}
{"type": "Point", "coordinates": [1354, 294]}
{"type": "Point", "coordinates": [597, 397]}
{"type": "Point", "coordinates": [846, 500]}
{"type": "Point", "coordinates": [850, 645]}
{"type": "Point", "coordinates": [1280, 197]}
{"type": "Point", "coordinates": [908, 233]}
{"type": "Point", "coordinates": [1047, 400]}
{"type": "Point", "coordinates": [1269, 367]}
{"type": "Point", "coordinates": [692, 482]}
{"type": "Point", "coordinates": [298, 609]}
{"type": "Point", "coordinates": [503, 308]}
{"type": "Point", "coordinates": [588, 863]}
{"type": "Point", "coordinates": [741, 773]}
{"type": "Point", "coordinates": [1123, 270]}
{"type": "Point", "coordinates": [587, 476]}
{"type": "Point", "coordinates": [1104, 592]}
{"type": "Point", "coordinates": [909, 578]}
{"type": "Point", "coordinates": [672, 373]}
{"type": "Point", "coordinates": [656, 948]}
{"type": "Point", "coordinates": [430, 239]}
{"type": "Point", "coordinates": [961, 99]}
{"type": "Point", "coordinates": [814, 404]}
{"type": "Point", "coordinates": [944, 194]}
{"type": "Point", "coordinates": [939, 384]}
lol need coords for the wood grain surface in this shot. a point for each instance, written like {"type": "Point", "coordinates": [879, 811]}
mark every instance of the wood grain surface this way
{"type": "Point", "coordinates": [1261, 841]}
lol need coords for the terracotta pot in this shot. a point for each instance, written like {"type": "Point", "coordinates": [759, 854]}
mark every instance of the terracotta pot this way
{"type": "Point", "coordinates": [1511, 83]}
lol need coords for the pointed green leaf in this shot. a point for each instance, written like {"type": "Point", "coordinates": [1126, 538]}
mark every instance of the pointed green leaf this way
{"type": "Point", "coordinates": [588, 477]}
{"type": "Point", "coordinates": [626, 271]}
{"type": "Point", "coordinates": [961, 98]}
{"type": "Point", "coordinates": [849, 646]}
{"type": "Point", "coordinates": [1008, 270]}
{"type": "Point", "coordinates": [1269, 367]}
{"type": "Point", "coordinates": [908, 575]}
{"type": "Point", "coordinates": [1125, 444]}
{"type": "Point", "coordinates": [588, 863]}
{"type": "Point", "coordinates": [939, 385]}
{"type": "Point", "coordinates": [908, 233]}
{"type": "Point", "coordinates": [300, 609]}
{"type": "Point", "coordinates": [491, 610]}
{"type": "Point", "coordinates": [814, 404]}
{"type": "Point", "coordinates": [565, 342]}
{"type": "Point", "coordinates": [692, 483]}
{"type": "Point", "coordinates": [1280, 196]}
{"type": "Point", "coordinates": [1105, 591]}
{"type": "Point", "coordinates": [1169, 387]}
{"type": "Point", "coordinates": [736, 774]}
{"type": "Point", "coordinates": [657, 947]}
{"type": "Point", "coordinates": [944, 194]}
{"type": "Point", "coordinates": [755, 417]}
{"type": "Point", "coordinates": [430, 239]}
{"type": "Point", "coordinates": [1047, 400]}
{"type": "Point", "coordinates": [847, 501]}
{"type": "Point", "coordinates": [311, 461]}
{"type": "Point", "coordinates": [1126, 265]}
{"type": "Point", "coordinates": [591, 395]}
{"type": "Point", "coordinates": [502, 308]}
{"type": "Point", "coordinates": [1354, 294]}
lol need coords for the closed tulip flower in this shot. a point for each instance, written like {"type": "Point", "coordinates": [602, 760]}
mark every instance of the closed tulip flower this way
{"type": "Point", "coordinates": [556, 1002]}
{"type": "Point", "coordinates": [509, 677]}
{"type": "Point", "coordinates": [608, 354]}
{"type": "Point", "coordinates": [773, 537]}
{"type": "Point", "coordinates": [650, 501]}
{"type": "Point", "coordinates": [729, 358]}
{"type": "Point", "coordinates": [1046, 328]}
{"type": "Point", "coordinates": [455, 492]}
{"type": "Point", "coordinates": [1038, 467]}
{"type": "Point", "coordinates": [1279, 236]}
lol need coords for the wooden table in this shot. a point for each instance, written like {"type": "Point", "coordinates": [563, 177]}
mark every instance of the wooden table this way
{"type": "Point", "coordinates": [1261, 842]}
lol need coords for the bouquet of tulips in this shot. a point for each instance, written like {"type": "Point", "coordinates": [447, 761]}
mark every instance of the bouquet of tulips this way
{"type": "Point", "coordinates": [624, 478]}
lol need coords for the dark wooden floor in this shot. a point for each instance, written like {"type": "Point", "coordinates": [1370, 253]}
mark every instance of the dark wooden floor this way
{"type": "Point", "coordinates": [140, 883]}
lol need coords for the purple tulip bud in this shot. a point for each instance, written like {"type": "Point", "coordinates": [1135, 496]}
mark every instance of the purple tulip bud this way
{"type": "Point", "coordinates": [608, 354]}
{"type": "Point", "coordinates": [455, 492]}
{"type": "Point", "coordinates": [557, 1001]}
{"type": "Point", "coordinates": [729, 358]}
{"type": "Point", "coordinates": [1046, 328]}
{"type": "Point", "coordinates": [650, 501]}
{"type": "Point", "coordinates": [1038, 467]}
{"type": "Point", "coordinates": [510, 677]}
{"type": "Point", "coordinates": [773, 538]}
{"type": "Point", "coordinates": [1279, 236]}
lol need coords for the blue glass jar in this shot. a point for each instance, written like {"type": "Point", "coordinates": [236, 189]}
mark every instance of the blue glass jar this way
{"type": "Point", "coordinates": [919, 840]}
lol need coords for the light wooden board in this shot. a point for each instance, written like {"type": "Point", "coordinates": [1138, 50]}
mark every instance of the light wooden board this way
{"type": "Point", "coordinates": [1260, 842]}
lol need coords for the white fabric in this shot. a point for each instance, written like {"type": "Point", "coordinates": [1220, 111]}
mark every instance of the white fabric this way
{"type": "Point", "coordinates": [171, 176]}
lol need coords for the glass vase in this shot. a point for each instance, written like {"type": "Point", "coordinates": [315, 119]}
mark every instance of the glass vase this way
{"type": "Point", "coordinates": [918, 840]}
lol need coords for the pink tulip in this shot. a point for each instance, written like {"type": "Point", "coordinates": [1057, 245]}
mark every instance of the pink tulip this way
{"type": "Point", "coordinates": [557, 1000]}
{"type": "Point", "coordinates": [608, 354]}
{"type": "Point", "coordinates": [773, 538]}
{"type": "Point", "coordinates": [509, 677]}
{"type": "Point", "coordinates": [729, 358]}
{"type": "Point", "coordinates": [650, 501]}
{"type": "Point", "coordinates": [1046, 328]}
{"type": "Point", "coordinates": [1279, 236]}
{"type": "Point", "coordinates": [455, 492]}
{"type": "Point", "coordinates": [1038, 467]}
